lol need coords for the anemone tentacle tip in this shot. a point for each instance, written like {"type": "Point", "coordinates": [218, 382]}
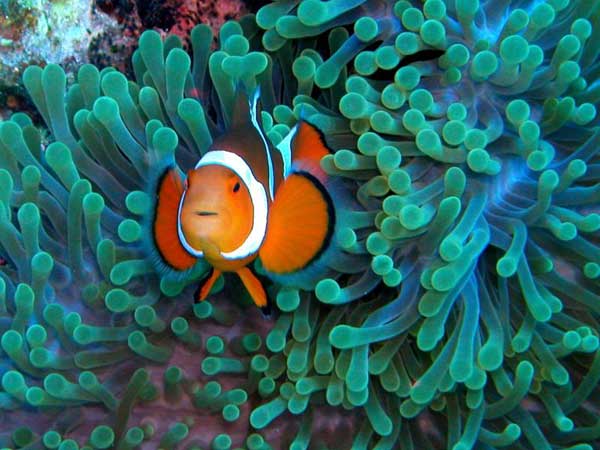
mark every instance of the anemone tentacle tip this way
{"type": "Point", "coordinates": [461, 286]}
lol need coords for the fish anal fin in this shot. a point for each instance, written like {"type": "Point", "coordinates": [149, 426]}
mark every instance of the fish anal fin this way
{"type": "Point", "coordinates": [164, 226]}
{"type": "Point", "coordinates": [308, 148]}
{"type": "Point", "coordinates": [254, 287]}
{"type": "Point", "coordinates": [208, 284]}
{"type": "Point", "coordinates": [301, 222]}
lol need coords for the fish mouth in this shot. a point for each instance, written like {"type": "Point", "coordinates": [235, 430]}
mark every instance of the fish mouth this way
{"type": "Point", "coordinates": [206, 213]}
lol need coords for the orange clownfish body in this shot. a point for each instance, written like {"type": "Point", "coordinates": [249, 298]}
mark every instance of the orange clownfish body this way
{"type": "Point", "coordinates": [247, 199]}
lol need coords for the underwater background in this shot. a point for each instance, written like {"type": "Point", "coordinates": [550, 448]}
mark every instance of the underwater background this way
{"type": "Point", "coordinates": [463, 309]}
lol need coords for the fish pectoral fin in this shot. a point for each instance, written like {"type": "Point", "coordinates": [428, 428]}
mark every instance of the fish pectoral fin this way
{"type": "Point", "coordinates": [301, 223]}
{"type": "Point", "coordinates": [208, 284]}
{"type": "Point", "coordinates": [254, 287]}
{"type": "Point", "coordinates": [164, 225]}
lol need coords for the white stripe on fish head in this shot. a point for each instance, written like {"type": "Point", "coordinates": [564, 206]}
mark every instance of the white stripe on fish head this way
{"type": "Point", "coordinates": [259, 203]}
{"type": "Point", "coordinates": [191, 250]}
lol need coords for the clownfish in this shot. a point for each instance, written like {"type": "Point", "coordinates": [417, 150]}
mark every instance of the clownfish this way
{"type": "Point", "coordinates": [247, 199]}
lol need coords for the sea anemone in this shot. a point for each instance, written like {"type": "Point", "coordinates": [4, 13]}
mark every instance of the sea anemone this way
{"type": "Point", "coordinates": [462, 311]}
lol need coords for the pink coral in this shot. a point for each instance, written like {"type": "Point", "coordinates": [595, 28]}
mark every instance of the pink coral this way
{"type": "Point", "coordinates": [210, 12]}
{"type": "Point", "coordinates": [178, 17]}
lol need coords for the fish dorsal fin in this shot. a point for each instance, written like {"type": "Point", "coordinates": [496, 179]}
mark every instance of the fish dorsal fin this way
{"type": "Point", "coordinates": [245, 106]}
{"type": "Point", "coordinates": [241, 109]}
{"type": "Point", "coordinates": [308, 147]}
{"type": "Point", "coordinates": [301, 223]}
{"type": "Point", "coordinates": [164, 225]}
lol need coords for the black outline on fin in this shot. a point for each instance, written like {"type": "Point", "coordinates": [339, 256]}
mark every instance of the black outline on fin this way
{"type": "Point", "coordinates": [330, 212]}
{"type": "Point", "coordinates": [319, 132]}
{"type": "Point", "coordinates": [159, 183]}
{"type": "Point", "coordinates": [201, 282]}
{"type": "Point", "coordinates": [267, 310]}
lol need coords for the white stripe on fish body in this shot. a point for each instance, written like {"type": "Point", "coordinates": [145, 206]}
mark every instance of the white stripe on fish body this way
{"type": "Point", "coordinates": [259, 203]}
{"type": "Point", "coordinates": [254, 119]}
{"type": "Point", "coordinates": [285, 148]}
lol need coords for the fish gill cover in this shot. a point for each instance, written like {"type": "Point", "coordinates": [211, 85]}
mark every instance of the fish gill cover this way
{"type": "Point", "coordinates": [464, 310]}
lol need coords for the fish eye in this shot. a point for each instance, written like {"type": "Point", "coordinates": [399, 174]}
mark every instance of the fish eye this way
{"type": "Point", "coordinates": [236, 187]}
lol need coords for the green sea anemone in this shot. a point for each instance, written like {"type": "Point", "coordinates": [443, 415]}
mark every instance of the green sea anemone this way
{"type": "Point", "coordinates": [463, 311]}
